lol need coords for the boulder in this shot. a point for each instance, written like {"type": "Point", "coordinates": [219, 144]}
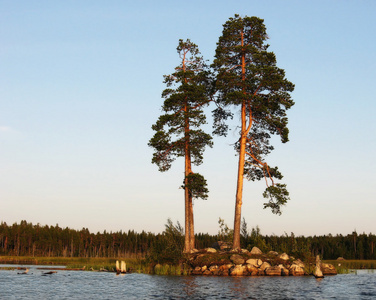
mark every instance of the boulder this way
{"type": "Point", "coordinates": [214, 267]}
{"type": "Point", "coordinates": [256, 251]}
{"type": "Point", "coordinates": [284, 270]}
{"type": "Point", "coordinates": [296, 270]}
{"type": "Point", "coordinates": [328, 269]}
{"type": "Point", "coordinates": [273, 271]}
{"type": "Point", "coordinates": [220, 245]}
{"type": "Point", "coordinates": [204, 268]}
{"type": "Point", "coordinates": [237, 259]}
{"type": "Point", "coordinates": [260, 272]}
{"type": "Point", "coordinates": [197, 271]}
{"type": "Point", "coordinates": [272, 253]}
{"type": "Point", "coordinates": [252, 270]}
{"type": "Point", "coordinates": [317, 272]}
{"type": "Point", "coordinates": [224, 269]}
{"type": "Point", "coordinates": [284, 256]}
{"type": "Point", "coordinates": [210, 250]}
{"type": "Point", "coordinates": [238, 270]}
{"type": "Point", "coordinates": [207, 272]}
{"type": "Point", "coordinates": [264, 266]}
{"type": "Point", "coordinates": [299, 263]}
{"type": "Point", "coordinates": [255, 262]}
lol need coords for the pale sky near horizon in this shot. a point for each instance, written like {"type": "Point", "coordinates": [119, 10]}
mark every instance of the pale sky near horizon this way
{"type": "Point", "coordinates": [80, 87]}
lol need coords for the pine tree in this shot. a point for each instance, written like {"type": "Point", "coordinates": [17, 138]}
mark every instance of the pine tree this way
{"type": "Point", "coordinates": [248, 79]}
{"type": "Point", "coordinates": [177, 131]}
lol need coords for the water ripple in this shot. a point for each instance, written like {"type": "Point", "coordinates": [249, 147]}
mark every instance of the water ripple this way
{"type": "Point", "coordinates": [94, 285]}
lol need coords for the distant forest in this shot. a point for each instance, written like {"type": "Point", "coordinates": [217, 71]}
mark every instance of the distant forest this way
{"type": "Point", "coordinates": [26, 239]}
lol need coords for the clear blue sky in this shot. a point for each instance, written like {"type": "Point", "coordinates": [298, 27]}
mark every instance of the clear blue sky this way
{"type": "Point", "coordinates": [80, 86]}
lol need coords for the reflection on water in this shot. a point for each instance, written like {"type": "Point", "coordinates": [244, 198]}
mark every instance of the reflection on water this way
{"type": "Point", "coordinates": [95, 285]}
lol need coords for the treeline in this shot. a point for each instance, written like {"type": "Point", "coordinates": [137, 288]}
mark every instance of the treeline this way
{"type": "Point", "coordinates": [26, 239]}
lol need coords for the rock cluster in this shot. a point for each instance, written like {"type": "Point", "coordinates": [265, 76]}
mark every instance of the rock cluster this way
{"type": "Point", "coordinates": [244, 263]}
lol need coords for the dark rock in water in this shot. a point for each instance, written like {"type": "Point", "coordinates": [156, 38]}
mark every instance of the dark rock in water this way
{"type": "Point", "coordinates": [49, 273]}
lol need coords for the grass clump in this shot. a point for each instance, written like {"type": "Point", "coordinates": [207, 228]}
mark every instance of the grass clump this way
{"type": "Point", "coordinates": [345, 266]}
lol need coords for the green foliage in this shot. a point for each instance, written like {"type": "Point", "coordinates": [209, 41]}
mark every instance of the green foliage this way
{"type": "Point", "coordinates": [277, 195]}
{"type": "Point", "coordinates": [177, 131]}
{"type": "Point", "coordinates": [196, 185]}
{"type": "Point", "coordinates": [247, 77]}
{"type": "Point", "coordinates": [168, 248]}
{"type": "Point", "coordinates": [225, 234]}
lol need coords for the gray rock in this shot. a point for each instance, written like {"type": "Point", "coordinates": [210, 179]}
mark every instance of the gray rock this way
{"type": "Point", "coordinates": [238, 270]}
{"type": "Point", "coordinates": [256, 250]}
{"type": "Point", "coordinates": [254, 261]}
{"type": "Point", "coordinates": [317, 272]}
{"type": "Point", "coordinates": [237, 259]}
{"type": "Point", "coordinates": [296, 270]}
{"type": "Point", "coordinates": [284, 256]}
{"type": "Point", "coordinates": [328, 269]}
{"type": "Point", "coordinates": [273, 271]}
{"type": "Point", "coordinates": [284, 270]}
{"type": "Point", "coordinates": [264, 266]}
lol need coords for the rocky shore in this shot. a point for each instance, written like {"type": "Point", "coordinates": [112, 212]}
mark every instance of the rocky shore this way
{"type": "Point", "coordinates": [214, 262]}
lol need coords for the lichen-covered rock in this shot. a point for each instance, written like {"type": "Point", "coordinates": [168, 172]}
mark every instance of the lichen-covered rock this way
{"type": "Point", "coordinates": [328, 269]}
{"type": "Point", "coordinates": [238, 270]}
{"type": "Point", "coordinates": [296, 270]}
{"type": "Point", "coordinates": [256, 251]}
{"type": "Point", "coordinates": [273, 271]}
{"type": "Point", "coordinates": [254, 261]}
{"type": "Point", "coordinates": [264, 266]}
{"type": "Point", "coordinates": [284, 256]}
{"type": "Point", "coordinates": [237, 259]}
{"type": "Point", "coordinates": [252, 270]}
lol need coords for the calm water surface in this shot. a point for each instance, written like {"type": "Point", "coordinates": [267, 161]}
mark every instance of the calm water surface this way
{"type": "Point", "coordinates": [95, 285]}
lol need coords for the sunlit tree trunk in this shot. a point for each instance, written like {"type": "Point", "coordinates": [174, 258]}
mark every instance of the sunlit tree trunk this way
{"type": "Point", "coordinates": [242, 144]}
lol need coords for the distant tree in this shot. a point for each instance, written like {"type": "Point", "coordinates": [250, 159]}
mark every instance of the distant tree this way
{"type": "Point", "coordinates": [247, 78]}
{"type": "Point", "coordinates": [177, 131]}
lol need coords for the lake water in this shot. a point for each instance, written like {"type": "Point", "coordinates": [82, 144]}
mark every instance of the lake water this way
{"type": "Point", "coordinates": [100, 285]}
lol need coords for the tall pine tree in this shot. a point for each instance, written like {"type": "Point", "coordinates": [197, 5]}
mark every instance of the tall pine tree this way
{"type": "Point", "coordinates": [177, 131]}
{"type": "Point", "coordinates": [248, 79]}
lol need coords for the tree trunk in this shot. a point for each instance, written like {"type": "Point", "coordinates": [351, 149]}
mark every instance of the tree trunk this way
{"type": "Point", "coordinates": [239, 188]}
{"type": "Point", "coordinates": [243, 140]}
{"type": "Point", "coordinates": [189, 230]}
{"type": "Point", "coordinates": [191, 224]}
{"type": "Point", "coordinates": [187, 244]}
